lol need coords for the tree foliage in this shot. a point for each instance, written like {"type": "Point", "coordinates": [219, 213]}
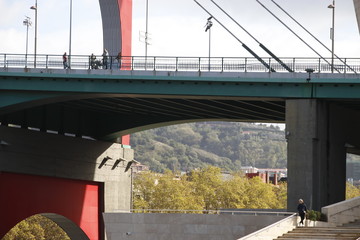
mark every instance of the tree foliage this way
{"type": "Point", "coordinates": [36, 227]}
{"type": "Point", "coordinates": [352, 191]}
{"type": "Point", "coordinates": [227, 145]}
{"type": "Point", "coordinates": [205, 189]}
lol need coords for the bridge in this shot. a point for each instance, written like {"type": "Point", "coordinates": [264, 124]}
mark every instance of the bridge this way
{"type": "Point", "coordinates": [147, 93]}
{"type": "Point", "coordinates": [51, 116]}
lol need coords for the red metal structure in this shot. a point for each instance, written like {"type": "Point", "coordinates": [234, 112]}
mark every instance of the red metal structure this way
{"type": "Point", "coordinates": [25, 195]}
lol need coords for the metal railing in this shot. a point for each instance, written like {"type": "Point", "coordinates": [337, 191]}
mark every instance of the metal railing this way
{"type": "Point", "coordinates": [231, 212]}
{"type": "Point", "coordinates": [201, 64]}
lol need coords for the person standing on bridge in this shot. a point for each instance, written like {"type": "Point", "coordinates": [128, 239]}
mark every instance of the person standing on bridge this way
{"type": "Point", "coordinates": [65, 61]}
{"type": "Point", "coordinates": [302, 210]}
{"type": "Point", "coordinates": [105, 58]}
{"type": "Point", "coordinates": [92, 61]}
{"type": "Point", "coordinates": [118, 58]}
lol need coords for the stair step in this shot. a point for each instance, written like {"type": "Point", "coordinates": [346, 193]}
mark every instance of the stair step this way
{"type": "Point", "coordinates": [322, 233]}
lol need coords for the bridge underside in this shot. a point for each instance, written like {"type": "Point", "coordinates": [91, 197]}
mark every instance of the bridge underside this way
{"type": "Point", "coordinates": [107, 118]}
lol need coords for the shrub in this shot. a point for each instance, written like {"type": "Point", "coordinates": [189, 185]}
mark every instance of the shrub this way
{"type": "Point", "coordinates": [315, 216]}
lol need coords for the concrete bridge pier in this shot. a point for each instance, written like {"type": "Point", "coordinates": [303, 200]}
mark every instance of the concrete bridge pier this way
{"type": "Point", "coordinates": [319, 134]}
{"type": "Point", "coordinates": [50, 173]}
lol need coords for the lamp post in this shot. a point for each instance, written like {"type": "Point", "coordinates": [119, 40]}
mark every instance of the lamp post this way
{"type": "Point", "coordinates": [146, 32]}
{"type": "Point", "coordinates": [35, 9]}
{"type": "Point", "coordinates": [69, 58]}
{"type": "Point", "coordinates": [27, 23]}
{"type": "Point", "coordinates": [208, 27]}
{"type": "Point", "coordinates": [147, 27]}
{"type": "Point", "coordinates": [332, 35]}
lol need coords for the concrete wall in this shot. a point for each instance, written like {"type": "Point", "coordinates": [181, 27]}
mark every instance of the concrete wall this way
{"type": "Point", "coordinates": [274, 230]}
{"type": "Point", "coordinates": [45, 154]}
{"type": "Point", "coordinates": [159, 226]}
{"type": "Point", "coordinates": [343, 212]}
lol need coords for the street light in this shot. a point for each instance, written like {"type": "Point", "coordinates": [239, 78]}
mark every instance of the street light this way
{"type": "Point", "coordinates": [146, 28]}
{"type": "Point", "coordinates": [35, 9]}
{"type": "Point", "coordinates": [27, 22]}
{"type": "Point", "coordinates": [332, 35]}
{"type": "Point", "coordinates": [208, 27]}
{"type": "Point", "coordinates": [70, 33]}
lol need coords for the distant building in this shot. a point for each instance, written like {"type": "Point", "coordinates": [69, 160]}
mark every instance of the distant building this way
{"type": "Point", "coordinates": [249, 169]}
{"type": "Point", "coordinates": [267, 175]}
{"type": "Point", "coordinates": [140, 168]}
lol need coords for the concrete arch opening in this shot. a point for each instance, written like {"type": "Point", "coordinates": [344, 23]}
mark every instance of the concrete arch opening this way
{"type": "Point", "coordinates": [46, 225]}
{"type": "Point", "coordinates": [77, 200]}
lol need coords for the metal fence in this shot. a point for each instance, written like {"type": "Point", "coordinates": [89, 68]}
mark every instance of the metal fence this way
{"type": "Point", "coordinates": [255, 212]}
{"type": "Point", "coordinates": [202, 64]}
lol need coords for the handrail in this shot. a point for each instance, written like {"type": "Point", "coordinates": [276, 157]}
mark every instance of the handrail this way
{"type": "Point", "coordinates": [166, 63]}
{"type": "Point", "coordinates": [254, 235]}
{"type": "Point", "coordinates": [254, 213]}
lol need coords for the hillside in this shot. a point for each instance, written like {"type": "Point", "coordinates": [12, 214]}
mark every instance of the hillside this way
{"type": "Point", "coordinates": [227, 145]}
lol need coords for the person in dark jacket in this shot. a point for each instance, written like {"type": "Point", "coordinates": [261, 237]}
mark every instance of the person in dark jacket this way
{"type": "Point", "coordinates": [302, 210]}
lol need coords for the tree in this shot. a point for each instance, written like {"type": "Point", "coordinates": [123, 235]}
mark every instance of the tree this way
{"type": "Point", "coordinates": [352, 191]}
{"type": "Point", "coordinates": [232, 193]}
{"type": "Point", "coordinates": [174, 192]}
{"type": "Point", "coordinates": [205, 189]}
{"type": "Point", "coordinates": [144, 188]}
{"type": "Point", "coordinates": [36, 227]}
{"type": "Point", "coordinates": [260, 195]}
{"type": "Point", "coordinates": [206, 183]}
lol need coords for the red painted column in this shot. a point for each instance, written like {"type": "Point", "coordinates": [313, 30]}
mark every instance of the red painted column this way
{"type": "Point", "coordinates": [24, 195]}
{"type": "Point", "coordinates": [126, 26]}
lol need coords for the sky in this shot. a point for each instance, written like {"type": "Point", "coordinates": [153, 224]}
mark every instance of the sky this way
{"type": "Point", "coordinates": [177, 27]}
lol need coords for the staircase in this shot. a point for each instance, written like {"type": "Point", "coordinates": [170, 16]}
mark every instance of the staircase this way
{"type": "Point", "coordinates": [323, 233]}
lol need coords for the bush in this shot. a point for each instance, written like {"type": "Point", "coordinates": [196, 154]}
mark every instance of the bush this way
{"type": "Point", "coordinates": [315, 216]}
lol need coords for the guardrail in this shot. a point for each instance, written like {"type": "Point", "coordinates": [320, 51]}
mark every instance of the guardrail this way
{"type": "Point", "coordinates": [202, 64]}
{"type": "Point", "coordinates": [232, 212]}
{"type": "Point", "coordinates": [274, 230]}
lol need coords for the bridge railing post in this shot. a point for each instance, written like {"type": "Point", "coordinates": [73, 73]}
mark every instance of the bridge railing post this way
{"type": "Point", "coordinates": [47, 61]}
{"type": "Point", "coordinates": [319, 66]}
{"type": "Point", "coordinates": [154, 64]}
{"type": "Point", "coordinates": [294, 65]}
{"type": "Point", "coordinates": [245, 67]}
{"type": "Point", "coordinates": [222, 64]}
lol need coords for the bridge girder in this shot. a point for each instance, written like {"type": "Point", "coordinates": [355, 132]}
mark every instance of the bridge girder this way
{"type": "Point", "coordinates": [107, 106]}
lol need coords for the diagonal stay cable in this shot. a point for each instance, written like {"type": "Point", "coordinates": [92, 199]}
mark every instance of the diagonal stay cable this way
{"type": "Point", "coordinates": [312, 35]}
{"type": "Point", "coordinates": [260, 44]}
{"type": "Point", "coordinates": [295, 34]}
{"type": "Point", "coordinates": [243, 44]}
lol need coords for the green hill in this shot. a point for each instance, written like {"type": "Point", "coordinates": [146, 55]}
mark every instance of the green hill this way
{"type": "Point", "coordinates": [228, 145]}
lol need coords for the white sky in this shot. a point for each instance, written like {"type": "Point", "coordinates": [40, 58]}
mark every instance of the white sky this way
{"type": "Point", "coordinates": [177, 27]}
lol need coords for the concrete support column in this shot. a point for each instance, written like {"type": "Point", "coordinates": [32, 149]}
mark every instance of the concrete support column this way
{"type": "Point", "coordinates": [316, 159]}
